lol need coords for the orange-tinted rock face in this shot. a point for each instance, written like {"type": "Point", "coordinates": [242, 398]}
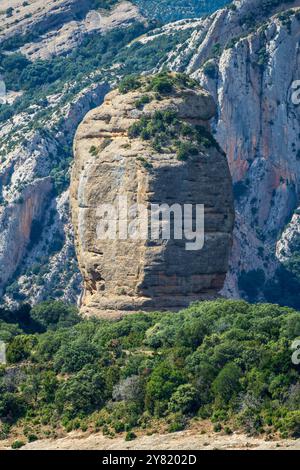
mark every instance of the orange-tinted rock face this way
{"type": "Point", "coordinates": [137, 274]}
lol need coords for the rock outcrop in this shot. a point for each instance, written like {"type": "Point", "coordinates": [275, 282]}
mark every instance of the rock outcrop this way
{"type": "Point", "coordinates": [56, 28]}
{"type": "Point", "coordinates": [119, 152]}
{"type": "Point", "coordinates": [246, 56]}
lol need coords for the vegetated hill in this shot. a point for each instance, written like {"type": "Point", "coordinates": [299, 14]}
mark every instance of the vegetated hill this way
{"type": "Point", "coordinates": [231, 53]}
{"type": "Point", "coordinates": [172, 10]}
{"type": "Point", "coordinates": [228, 362]}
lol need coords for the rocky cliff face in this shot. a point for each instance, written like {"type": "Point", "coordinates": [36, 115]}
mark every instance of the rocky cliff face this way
{"type": "Point", "coordinates": [248, 56]}
{"type": "Point", "coordinates": [37, 128]}
{"type": "Point", "coordinates": [138, 146]}
{"type": "Point", "coordinates": [36, 238]}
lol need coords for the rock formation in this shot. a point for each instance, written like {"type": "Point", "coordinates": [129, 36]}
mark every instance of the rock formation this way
{"type": "Point", "coordinates": [245, 55]}
{"type": "Point", "coordinates": [152, 144]}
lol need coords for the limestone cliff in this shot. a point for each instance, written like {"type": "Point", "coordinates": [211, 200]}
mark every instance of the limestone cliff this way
{"type": "Point", "coordinates": [119, 151]}
{"type": "Point", "coordinates": [247, 56]}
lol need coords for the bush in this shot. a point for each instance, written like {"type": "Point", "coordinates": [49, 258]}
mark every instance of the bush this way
{"type": "Point", "coordinates": [227, 383]}
{"type": "Point", "coordinates": [230, 358]}
{"type": "Point", "coordinates": [17, 445]}
{"type": "Point", "coordinates": [130, 436]}
{"type": "Point", "coordinates": [4, 431]}
{"type": "Point", "coordinates": [163, 382]}
{"type": "Point", "coordinates": [252, 282]}
{"type": "Point", "coordinates": [177, 422]}
{"type": "Point", "coordinates": [217, 427]}
{"type": "Point", "coordinates": [145, 99]}
{"type": "Point", "coordinates": [20, 348]}
{"type": "Point", "coordinates": [239, 190]}
{"type": "Point", "coordinates": [184, 399]}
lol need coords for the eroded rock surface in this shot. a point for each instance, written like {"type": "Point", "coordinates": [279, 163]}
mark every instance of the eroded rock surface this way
{"type": "Point", "coordinates": [123, 275]}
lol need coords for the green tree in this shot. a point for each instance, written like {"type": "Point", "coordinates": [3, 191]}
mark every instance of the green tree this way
{"type": "Point", "coordinates": [227, 383]}
{"type": "Point", "coordinates": [185, 399]}
{"type": "Point", "coordinates": [82, 393]}
{"type": "Point", "coordinates": [163, 382]}
{"type": "Point", "coordinates": [55, 314]}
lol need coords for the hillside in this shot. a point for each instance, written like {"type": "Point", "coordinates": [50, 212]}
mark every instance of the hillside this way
{"type": "Point", "coordinates": [226, 365]}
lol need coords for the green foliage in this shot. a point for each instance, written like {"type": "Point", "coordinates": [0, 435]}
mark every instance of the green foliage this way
{"type": "Point", "coordinates": [285, 286]}
{"type": "Point", "coordinates": [145, 99]}
{"type": "Point", "coordinates": [105, 4]}
{"type": "Point", "coordinates": [20, 348]}
{"type": "Point", "coordinates": [239, 190]}
{"type": "Point", "coordinates": [17, 445]}
{"type": "Point", "coordinates": [163, 382]}
{"type": "Point", "coordinates": [13, 65]}
{"type": "Point", "coordinates": [55, 314]}
{"type": "Point", "coordinates": [291, 424]}
{"type": "Point", "coordinates": [129, 83]}
{"type": "Point", "coordinates": [82, 393]}
{"type": "Point", "coordinates": [164, 130]}
{"type": "Point", "coordinates": [210, 69]}
{"type": "Point", "coordinates": [167, 11]}
{"type": "Point", "coordinates": [130, 436]}
{"type": "Point", "coordinates": [184, 399]}
{"type": "Point", "coordinates": [162, 84]}
{"type": "Point", "coordinates": [73, 357]}
{"type": "Point", "coordinates": [224, 360]}
{"type": "Point", "coordinates": [43, 77]}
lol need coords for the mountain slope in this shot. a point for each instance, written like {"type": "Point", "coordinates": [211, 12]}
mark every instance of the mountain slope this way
{"type": "Point", "coordinates": [172, 10]}
{"type": "Point", "coordinates": [46, 100]}
{"type": "Point", "coordinates": [248, 61]}
{"type": "Point", "coordinates": [246, 55]}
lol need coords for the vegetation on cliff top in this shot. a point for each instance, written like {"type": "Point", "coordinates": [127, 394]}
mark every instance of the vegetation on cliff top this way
{"type": "Point", "coordinates": [228, 361]}
{"type": "Point", "coordinates": [164, 129]}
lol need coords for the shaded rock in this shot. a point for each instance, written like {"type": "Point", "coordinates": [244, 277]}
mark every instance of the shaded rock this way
{"type": "Point", "coordinates": [133, 274]}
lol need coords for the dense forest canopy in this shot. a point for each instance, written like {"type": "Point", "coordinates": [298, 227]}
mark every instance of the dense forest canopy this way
{"type": "Point", "coordinates": [226, 361]}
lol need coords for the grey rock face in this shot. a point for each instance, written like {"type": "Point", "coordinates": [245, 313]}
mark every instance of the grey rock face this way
{"type": "Point", "coordinates": [36, 237]}
{"type": "Point", "coordinates": [253, 64]}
